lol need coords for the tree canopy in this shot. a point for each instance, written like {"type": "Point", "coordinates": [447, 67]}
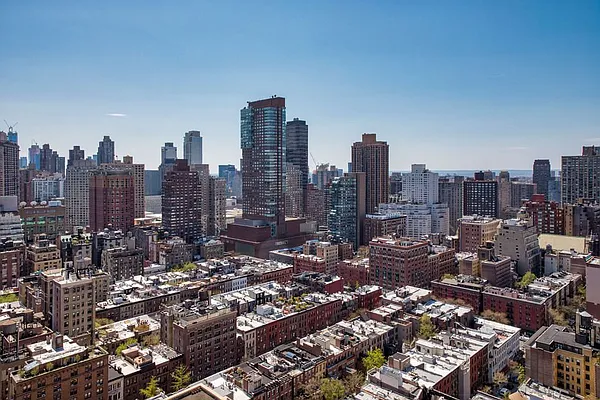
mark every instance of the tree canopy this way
{"type": "Point", "coordinates": [374, 359]}
{"type": "Point", "coordinates": [332, 389]}
{"type": "Point", "coordinates": [526, 279]}
{"type": "Point", "coordinates": [181, 377]}
{"type": "Point", "coordinates": [151, 388]}
{"type": "Point", "coordinates": [426, 327]}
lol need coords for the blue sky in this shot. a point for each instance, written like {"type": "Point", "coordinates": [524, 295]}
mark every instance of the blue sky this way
{"type": "Point", "coordinates": [454, 84]}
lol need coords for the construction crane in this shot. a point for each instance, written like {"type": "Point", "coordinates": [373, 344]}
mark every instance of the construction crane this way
{"type": "Point", "coordinates": [10, 127]}
{"type": "Point", "coordinates": [314, 161]}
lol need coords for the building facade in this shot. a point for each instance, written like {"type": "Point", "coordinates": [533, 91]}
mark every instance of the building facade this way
{"type": "Point", "coordinates": [371, 157]}
{"type": "Point", "coordinates": [9, 167]}
{"type": "Point", "coordinates": [579, 176]}
{"type": "Point", "coordinates": [192, 147]}
{"type": "Point", "coordinates": [106, 151]}
{"type": "Point", "coordinates": [541, 176]}
{"type": "Point", "coordinates": [297, 154]}
{"type": "Point", "coordinates": [347, 208]}
{"type": "Point", "coordinates": [480, 198]}
{"type": "Point", "coordinates": [112, 199]}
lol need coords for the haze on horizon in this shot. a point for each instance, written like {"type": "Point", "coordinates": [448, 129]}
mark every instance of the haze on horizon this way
{"type": "Point", "coordinates": [456, 85]}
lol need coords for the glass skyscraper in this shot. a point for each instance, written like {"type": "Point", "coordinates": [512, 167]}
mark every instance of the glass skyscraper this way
{"type": "Point", "coordinates": [192, 147]}
{"type": "Point", "coordinates": [263, 142]}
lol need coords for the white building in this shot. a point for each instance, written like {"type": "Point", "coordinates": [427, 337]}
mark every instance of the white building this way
{"type": "Point", "coordinates": [77, 193]}
{"type": "Point", "coordinates": [420, 186]}
{"type": "Point", "coordinates": [421, 219]}
{"type": "Point", "coordinates": [518, 240]}
{"type": "Point", "coordinates": [10, 220]}
{"type": "Point", "coordinates": [48, 188]}
{"type": "Point", "coordinates": [504, 344]}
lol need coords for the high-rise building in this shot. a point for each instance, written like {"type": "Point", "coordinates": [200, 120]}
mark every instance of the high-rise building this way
{"type": "Point", "coordinates": [316, 205]}
{"type": "Point", "coordinates": [475, 231]}
{"type": "Point", "coordinates": [395, 183]}
{"type": "Point", "coordinates": [294, 191]}
{"type": "Point", "coordinates": [10, 221]}
{"type": "Point", "coordinates": [324, 174]}
{"type": "Point", "coordinates": [541, 175]}
{"type": "Point", "coordinates": [112, 199]}
{"type": "Point", "coordinates": [192, 147]}
{"type": "Point", "coordinates": [181, 202]}
{"type": "Point", "coordinates": [450, 192]}
{"type": "Point", "coordinates": [372, 157]}
{"type": "Point", "coordinates": [48, 159]}
{"type": "Point", "coordinates": [554, 189]}
{"type": "Point", "coordinates": [421, 219]}
{"type": "Point", "coordinates": [518, 240]}
{"type": "Point", "coordinates": [152, 182]}
{"type": "Point", "coordinates": [579, 176]}
{"type": "Point", "coordinates": [420, 186]}
{"type": "Point", "coordinates": [347, 208]}
{"type": "Point", "coordinates": [9, 167]}
{"type": "Point", "coordinates": [521, 192]}
{"type": "Point", "coordinates": [216, 207]}
{"type": "Point", "coordinates": [480, 197]}
{"type": "Point", "coordinates": [168, 156]}
{"type": "Point", "coordinates": [139, 179]}
{"type": "Point", "coordinates": [505, 189]}
{"type": "Point", "coordinates": [77, 193]}
{"type": "Point", "coordinates": [76, 153]}
{"type": "Point", "coordinates": [297, 155]}
{"type": "Point", "coordinates": [34, 155]}
{"type": "Point", "coordinates": [582, 219]}
{"type": "Point", "coordinates": [547, 216]}
{"type": "Point", "coordinates": [48, 188]}
{"type": "Point", "coordinates": [376, 225]}
{"type": "Point", "coordinates": [23, 162]}
{"type": "Point", "coordinates": [398, 262]}
{"type": "Point", "coordinates": [203, 171]}
{"type": "Point", "coordinates": [106, 151]}
{"type": "Point", "coordinates": [263, 139]}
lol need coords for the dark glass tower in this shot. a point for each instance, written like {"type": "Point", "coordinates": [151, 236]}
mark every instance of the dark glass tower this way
{"type": "Point", "coordinates": [297, 154]}
{"type": "Point", "coordinates": [541, 176]}
{"type": "Point", "coordinates": [106, 151]}
{"type": "Point", "coordinates": [263, 142]}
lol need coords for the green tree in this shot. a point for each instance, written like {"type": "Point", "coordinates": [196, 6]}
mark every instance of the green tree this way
{"type": "Point", "coordinates": [448, 276]}
{"type": "Point", "coordinates": [102, 322]}
{"type": "Point", "coordinates": [151, 388]}
{"type": "Point", "coordinates": [499, 378]}
{"type": "Point", "coordinates": [353, 382]}
{"type": "Point", "coordinates": [526, 280]}
{"type": "Point", "coordinates": [9, 298]}
{"type": "Point", "coordinates": [311, 390]}
{"type": "Point", "coordinates": [125, 345]}
{"type": "Point", "coordinates": [332, 389]}
{"type": "Point", "coordinates": [557, 317]}
{"type": "Point", "coordinates": [426, 327]}
{"type": "Point", "coordinates": [374, 359]}
{"type": "Point", "coordinates": [495, 316]}
{"type": "Point", "coordinates": [181, 377]}
{"type": "Point", "coordinates": [151, 340]}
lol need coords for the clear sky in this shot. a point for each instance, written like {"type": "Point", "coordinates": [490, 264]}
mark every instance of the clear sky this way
{"type": "Point", "coordinates": [454, 84]}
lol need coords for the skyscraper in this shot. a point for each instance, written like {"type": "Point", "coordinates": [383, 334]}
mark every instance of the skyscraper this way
{"type": "Point", "coordinates": [372, 157]}
{"type": "Point", "coordinates": [480, 198]}
{"type": "Point", "coordinates": [112, 199]}
{"type": "Point", "coordinates": [541, 175]}
{"type": "Point", "coordinates": [9, 167]}
{"type": "Point", "coordinates": [579, 176]}
{"type": "Point", "coordinates": [77, 193]}
{"type": "Point", "coordinates": [34, 155]}
{"type": "Point", "coordinates": [181, 203]}
{"type": "Point", "coordinates": [168, 156]}
{"type": "Point", "coordinates": [204, 179]}
{"type": "Point", "coordinates": [420, 186]}
{"type": "Point", "coordinates": [192, 147]}
{"type": "Point", "coordinates": [106, 151]}
{"type": "Point", "coordinates": [297, 155]}
{"type": "Point", "coordinates": [77, 153]}
{"type": "Point", "coordinates": [263, 142]}
{"type": "Point", "coordinates": [294, 192]}
{"type": "Point", "coordinates": [450, 192]}
{"type": "Point", "coordinates": [216, 207]}
{"type": "Point", "coordinates": [139, 179]}
{"type": "Point", "coordinates": [348, 208]}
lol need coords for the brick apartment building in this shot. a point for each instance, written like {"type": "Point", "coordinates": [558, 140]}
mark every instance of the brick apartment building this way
{"type": "Point", "coordinates": [112, 199]}
{"type": "Point", "coordinates": [399, 262]}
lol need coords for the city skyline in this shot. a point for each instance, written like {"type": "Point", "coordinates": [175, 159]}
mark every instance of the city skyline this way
{"type": "Point", "coordinates": [476, 77]}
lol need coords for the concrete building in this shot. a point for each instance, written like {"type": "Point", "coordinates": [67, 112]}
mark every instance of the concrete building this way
{"type": "Point", "coordinates": [450, 193]}
{"type": "Point", "coordinates": [297, 155]}
{"type": "Point", "coordinates": [316, 205]}
{"type": "Point", "coordinates": [376, 225]}
{"type": "Point", "coordinates": [47, 219]}
{"type": "Point", "coordinates": [480, 197]}
{"type": "Point", "coordinates": [324, 174]}
{"type": "Point", "coordinates": [420, 186]}
{"type": "Point", "coordinates": [105, 240]}
{"type": "Point", "coordinates": [123, 262]}
{"type": "Point", "coordinates": [10, 221]}
{"type": "Point", "coordinates": [371, 157]}
{"type": "Point", "coordinates": [139, 179]}
{"type": "Point", "coordinates": [496, 269]}
{"type": "Point", "coordinates": [347, 208]}
{"type": "Point", "coordinates": [521, 192]}
{"type": "Point", "coordinates": [9, 167]}
{"type": "Point", "coordinates": [181, 202]}
{"type": "Point", "coordinates": [112, 199]}
{"type": "Point", "coordinates": [48, 188]}
{"type": "Point", "coordinates": [192, 147]}
{"type": "Point", "coordinates": [581, 219]}
{"type": "Point", "coordinates": [558, 358]}
{"type": "Point", "coordinates": [77, 193]}
{"type": "Point", "coordinates": [475, 231]}
{"type": "Point", "coordinates": [518, 240]}
{"type": "Point", "coordinates": [578, 176]}
{"type": "Point", "coordinates": [398, 262]}
{"type": "Point", "coordinates": [421, 219]}
{"type": "Point", "coordinates": [73, 306]}
{"type": "Point", "coordinates": [60, 368]}
{"type": "Point", "coordinates": [541, 176]}
{"type": "Point", "coordinates": [294, 191]}
{"type": "Point", "coordinates": [203, 171]}
{"type": "Point", "coordinates": [205, 335]}
{"type": "Point", "coordinates": [75, 154]}
{"type": "Point", "coordinates": [41, 255]}
{"type": "Point", "coordinates": [216, 206]}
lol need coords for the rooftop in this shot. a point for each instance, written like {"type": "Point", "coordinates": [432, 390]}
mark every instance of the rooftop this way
{"type": "Point", "coordinates": [560, 242]}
